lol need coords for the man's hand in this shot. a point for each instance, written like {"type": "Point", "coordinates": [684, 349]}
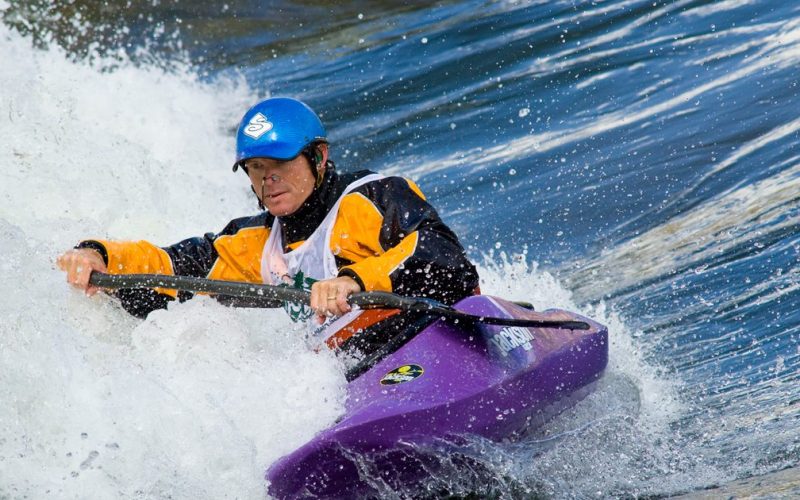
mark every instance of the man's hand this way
{"type": "Point", "coordinates": [329, 297]}
{"type": "Point", "coordinates": [79, 264]}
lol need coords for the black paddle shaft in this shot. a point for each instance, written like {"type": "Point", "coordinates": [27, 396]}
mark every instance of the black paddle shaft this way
{"type": "Point", "coordinates": [268, 295]}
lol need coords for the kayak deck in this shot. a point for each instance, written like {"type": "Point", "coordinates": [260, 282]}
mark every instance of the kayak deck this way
{"type": "Point", "coordinates": [450, 380]}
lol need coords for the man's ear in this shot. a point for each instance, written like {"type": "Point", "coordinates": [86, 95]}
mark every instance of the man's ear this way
{"type": "Point", "coordinates": [321, 159]}
{"type": "Point", "coordinates": [322, 154]}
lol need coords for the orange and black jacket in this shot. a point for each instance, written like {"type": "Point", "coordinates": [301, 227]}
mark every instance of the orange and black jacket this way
{"type": "Point", "coordinates": [386, 237]}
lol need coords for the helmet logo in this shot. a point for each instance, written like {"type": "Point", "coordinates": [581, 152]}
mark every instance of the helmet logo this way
{"type": "Point", "coordinates": [258, 126]}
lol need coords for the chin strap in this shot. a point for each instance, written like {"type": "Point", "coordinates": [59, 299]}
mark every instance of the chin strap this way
{"type": "Point", "coordinates": [320, 179]}
{"type": "Point", "coordinates": [260, 204]}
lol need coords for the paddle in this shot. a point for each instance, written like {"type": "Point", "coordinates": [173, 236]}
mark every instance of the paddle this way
{"type": "Point", "coordinates": [268, 295]}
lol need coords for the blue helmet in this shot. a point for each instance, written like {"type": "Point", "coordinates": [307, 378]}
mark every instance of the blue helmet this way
{"type": "Point", "coordinates": [279, 128]}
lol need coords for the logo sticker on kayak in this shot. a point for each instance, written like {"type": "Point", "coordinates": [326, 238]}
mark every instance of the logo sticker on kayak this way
{"type": "Point", "coordinates": [405, 373]}
{"type": "Point", "coordinates": [510, 338]}
{"type": "Point", "coordinates": [258, 126]}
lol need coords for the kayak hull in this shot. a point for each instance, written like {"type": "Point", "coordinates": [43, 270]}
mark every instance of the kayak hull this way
{"type": "Point", "coordinates": [448, 381]}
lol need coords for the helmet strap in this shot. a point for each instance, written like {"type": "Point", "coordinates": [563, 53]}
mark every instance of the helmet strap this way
{"type": "Point", "coordinates": [260, 203]}
{"type": "Point", "coordinates": [320, 178]}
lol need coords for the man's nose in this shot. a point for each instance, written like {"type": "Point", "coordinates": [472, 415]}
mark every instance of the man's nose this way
{"type": "Point", "coordinates": [273, 177]}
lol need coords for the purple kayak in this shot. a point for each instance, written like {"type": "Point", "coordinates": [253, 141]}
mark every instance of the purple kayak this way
{"type": "Point", "coordinates": [446, 381]}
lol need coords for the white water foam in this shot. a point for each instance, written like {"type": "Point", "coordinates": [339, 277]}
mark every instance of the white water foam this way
{"type": "Point", "coordinates": [617, 440]}
{"type": "Point", "coordinates": [195, 401]}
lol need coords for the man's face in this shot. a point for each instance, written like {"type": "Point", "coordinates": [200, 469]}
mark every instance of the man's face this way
{"type": "Point", "coordinates": [282, 186]}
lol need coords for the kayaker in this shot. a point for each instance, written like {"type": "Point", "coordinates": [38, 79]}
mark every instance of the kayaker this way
{"type": "Point", "coordinates": [333, 233]}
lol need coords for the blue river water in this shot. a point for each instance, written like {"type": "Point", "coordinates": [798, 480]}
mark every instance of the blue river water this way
{"type": "Point", "coordinates": [645, 153]}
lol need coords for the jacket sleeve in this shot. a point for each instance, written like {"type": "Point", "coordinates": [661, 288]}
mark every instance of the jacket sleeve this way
{"type": "Point", "coordinates": [233, 254]}
{"type": "Point", "coordinates": [395, 241]}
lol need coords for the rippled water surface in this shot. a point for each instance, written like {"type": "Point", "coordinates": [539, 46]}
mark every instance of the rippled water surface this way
{"type": "Point", "coordinates": [637, 161]}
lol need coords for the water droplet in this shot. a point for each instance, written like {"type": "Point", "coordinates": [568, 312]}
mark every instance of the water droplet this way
{"type": "Point", "coordinates": [88, 462]}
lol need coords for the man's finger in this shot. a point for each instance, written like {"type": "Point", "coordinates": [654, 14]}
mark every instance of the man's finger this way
{"type": "Point", "coordinates": [313, 303]}
{"type": "Point", "coordinates": [341, 303]}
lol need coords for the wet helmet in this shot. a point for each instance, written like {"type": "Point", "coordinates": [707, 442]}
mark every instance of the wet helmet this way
{"type": "Point", "coordinates": [279, 128]}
